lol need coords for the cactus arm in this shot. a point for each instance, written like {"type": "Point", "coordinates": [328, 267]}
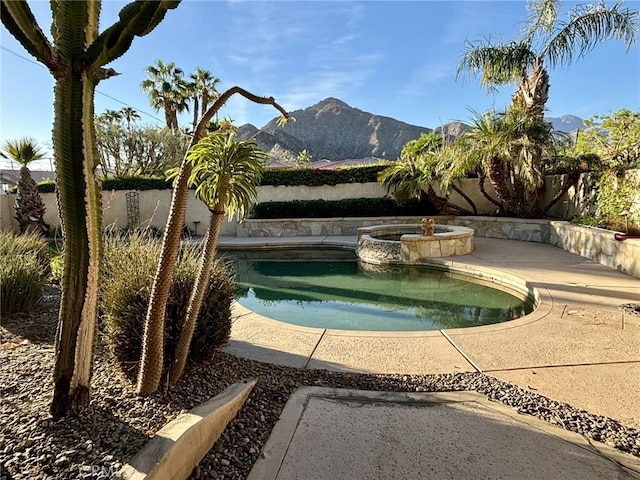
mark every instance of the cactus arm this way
{"type": "Point", "coordinates": [135, 19]}
{"type": "Point", "coordinates": [20, 22]}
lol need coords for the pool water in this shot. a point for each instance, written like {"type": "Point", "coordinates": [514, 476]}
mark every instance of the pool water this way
{"type": "Point", "coordinates": [341, 293]}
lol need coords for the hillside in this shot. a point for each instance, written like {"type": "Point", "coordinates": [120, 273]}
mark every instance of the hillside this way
{"type": "Point", "coordinates": [333, 130]}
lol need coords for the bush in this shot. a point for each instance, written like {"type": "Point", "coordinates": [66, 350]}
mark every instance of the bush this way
{"type": "Point", "coordinates": [315, 177]}
{"type": "Point", "coordinates": [352, 207]}
{"type": "Point", "coordinates": [130, 182]}
{"type": "Point", "coordinates": [24, 268]}
{"type": "Point", "coordinates": [128, 268]}
{"type": "Point", "coordinates": [272, 176]}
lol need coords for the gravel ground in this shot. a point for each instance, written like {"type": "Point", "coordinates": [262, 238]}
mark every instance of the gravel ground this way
{"type": "Point", "coordinates": [118, 423]}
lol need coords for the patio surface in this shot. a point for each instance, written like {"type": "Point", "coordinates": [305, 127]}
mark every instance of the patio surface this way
{"type": "Point", "coordinates": [578, 347]}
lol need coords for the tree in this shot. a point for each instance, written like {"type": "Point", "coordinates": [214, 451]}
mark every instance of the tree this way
{"type": "Point", "coordinates": [138, 150]}
{"type": "Point", "coordinates": [226, 173]}
{"type": "Point", "coordinates": [499, 147]}
{"type": "Point", "coordinates": [203, 92]}
{"type": "Point", "coordinates": [616, 141]}
{"type": "Point", "coordinates": [113, 117]}
{"type": "Point", "coordinates": [76, 58]}
{"type": "Point", "coordinates": [547, 39]}
{"type": "Point", "coordinates": [303, 158]}
{"type": "Point", "coordinates": [414, 174]}
{"type": "Point", "coordinates": [129, 115]}
{"type": "Point", "coordinates": [167, 90]}
{"type": "Point", "coordinates": [152, 350]}
{"type": "Point", "coordinates": [29, 205]}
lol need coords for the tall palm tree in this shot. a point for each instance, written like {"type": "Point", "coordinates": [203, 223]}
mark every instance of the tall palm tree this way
{"type": "Point", "coordinates": [112, 117]}
{"type": "Point", "coordinates": [546, 39]}
{"type": "Point", "coordinates": [76, 58]}
{"type": "Point", "coordinates": [226, 173]}
{"type": "Point", "coordinates": [151, 360]}
{"type": "Point", "coordinates": [29, 205]}
{"type": "Point", "coordinates": [129, 115]}
{"type": "Point", "coordinates": [167, 90]}
{"type": "Point", "coordinates": [202, 88]}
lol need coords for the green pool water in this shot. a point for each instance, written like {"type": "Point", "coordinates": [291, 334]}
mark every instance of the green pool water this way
{"type": "Point", "coordinates": [333, 290]}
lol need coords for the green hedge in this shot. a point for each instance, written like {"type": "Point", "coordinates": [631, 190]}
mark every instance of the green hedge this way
{"type": "Point", "coordinates": [315, 177]}
{"type": "Point", "coordinates": [272, 176]}
{"type": "Point", "coordinates": [135, 183]}
{"type": "Point", "coordinates": [352, 207]}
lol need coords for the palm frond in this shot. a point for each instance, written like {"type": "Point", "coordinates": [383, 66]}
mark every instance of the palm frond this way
{"type": "Point", "coordinates": [497, 64]}
{"type": "Point", "coordinates": [588, 26]}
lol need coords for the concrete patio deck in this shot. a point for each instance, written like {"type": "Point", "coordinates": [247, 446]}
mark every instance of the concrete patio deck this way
{"type": "Point", "coordinates": [577, 347]}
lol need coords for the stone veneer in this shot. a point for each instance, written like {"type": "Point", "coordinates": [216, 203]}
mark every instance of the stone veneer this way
{"type": "Point", "coordinates": [593, 243]}
{"type": "Point", "coordinates": [413, 248]}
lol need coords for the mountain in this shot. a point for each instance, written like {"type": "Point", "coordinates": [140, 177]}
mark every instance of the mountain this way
{"type": "Point", "coordinates": [566, 123]}
{"type": "Point", "coordinates": [333, 130]}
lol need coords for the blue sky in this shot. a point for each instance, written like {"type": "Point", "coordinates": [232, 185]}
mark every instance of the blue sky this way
{"type": "Point", "coordinates": [390, 58]}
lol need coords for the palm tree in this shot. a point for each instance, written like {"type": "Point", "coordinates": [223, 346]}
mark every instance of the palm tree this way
{"type": "Point", "coordinates": [416, 172]}
{"type": "Point", "coordinates": [129, 114]}
{"type": "Point", "coordinates": [112, 117]}
{"type": "Point", "coordinates": [153, 349]}
{"type": "Point", "coordinates": [547, 39]}
{"type": "Point", "coordinates": [500, 147]}
{"type": "Point", "coordinates": [29, 205]}
{"type": "Point", "coordinates": [226, 173]}
{"type": "Point", "coordinates": [203, 92]}
{"type": "Point", "coordinates": [167, 90]}
{"type": "Point", "coordinates": [76, 58]}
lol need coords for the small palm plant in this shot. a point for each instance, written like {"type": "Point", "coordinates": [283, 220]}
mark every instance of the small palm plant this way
{"type": "Point", "coordinates": [226, 173]}
{"type": "Point", "coordinates": [29, 206]}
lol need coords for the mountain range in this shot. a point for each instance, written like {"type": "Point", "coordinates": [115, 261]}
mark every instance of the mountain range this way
{"type": "Point", "coordinates": [333, 130]}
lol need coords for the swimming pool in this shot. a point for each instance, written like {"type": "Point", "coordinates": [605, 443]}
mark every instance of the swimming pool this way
{"type": "Point", "coordinates": [331, 289]}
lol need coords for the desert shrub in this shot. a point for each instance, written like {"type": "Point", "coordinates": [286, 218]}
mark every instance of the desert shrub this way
{"type": "Point", "coordinates": [24, 268]}
{"type": "Point", "coordinates": [128, 268]}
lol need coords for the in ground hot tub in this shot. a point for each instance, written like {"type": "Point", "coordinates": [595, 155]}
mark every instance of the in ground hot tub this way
{"type": "Point", "coordinates": [405, 243]}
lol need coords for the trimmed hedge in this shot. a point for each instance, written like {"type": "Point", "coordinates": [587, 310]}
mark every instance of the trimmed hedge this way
{"type": "Point", "coordinates": [272, 176]}
{"type": "Point", "coordinates": [135, 183]}
{"type": "Point", "coordinates": [315, 177]}
{"type": "Point", "coordinates": [351, 207]}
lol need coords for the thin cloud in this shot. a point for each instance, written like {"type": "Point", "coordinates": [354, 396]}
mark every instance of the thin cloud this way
{"type": "Point", "coordinates": [427, 77]}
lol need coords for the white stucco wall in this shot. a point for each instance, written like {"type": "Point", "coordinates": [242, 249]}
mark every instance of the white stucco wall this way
{"type": "Point", "coordinates": [154, 204]}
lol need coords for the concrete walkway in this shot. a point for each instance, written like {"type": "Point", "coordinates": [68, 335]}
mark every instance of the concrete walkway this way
{"type": "Point", "coordinates": [578, 347]}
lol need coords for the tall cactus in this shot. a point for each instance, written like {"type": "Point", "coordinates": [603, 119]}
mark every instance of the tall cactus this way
{"type": "Point", "coordinates": [152, 358]}
{"type": "Point", "coordinates": [76, 59]}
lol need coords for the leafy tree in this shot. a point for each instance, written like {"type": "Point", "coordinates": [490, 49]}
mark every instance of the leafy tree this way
{"type": "Point", "coordinates": [76, 58]}
{"type": "Point", "coordinates": [153, 349]}
{"type": "Point", "coordinates": [615, 138]}
{"type": "Point", "coordinates": [546, 39]}
{"type": "Point", "coordinates": [29, 205]}
{"type": "Point", "coordinates": [167, 90]}
{"type": "Point", "coordinates": [138, 149]}
{"type": "Point", "coordinates": [616, 141]}
{"type": "Point", "coordinates": [226, 173]}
